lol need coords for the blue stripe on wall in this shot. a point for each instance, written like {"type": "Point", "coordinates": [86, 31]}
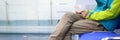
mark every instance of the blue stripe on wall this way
{"type": "Point", "coordinates": [28, 23]}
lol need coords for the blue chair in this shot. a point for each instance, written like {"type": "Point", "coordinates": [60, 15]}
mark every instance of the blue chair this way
{"type": "Point", "coordinates": [98, 35]}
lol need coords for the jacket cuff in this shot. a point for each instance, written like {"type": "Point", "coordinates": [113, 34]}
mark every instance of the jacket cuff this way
{"type": "Point", "coordinates": [88, 15]}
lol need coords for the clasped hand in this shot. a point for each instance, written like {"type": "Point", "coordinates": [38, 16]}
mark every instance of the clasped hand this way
{"type": "Point", "coordinates": [83, 13]}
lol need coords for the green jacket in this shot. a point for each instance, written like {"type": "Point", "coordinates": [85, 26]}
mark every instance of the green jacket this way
{"type": "Point", "coordinates": [107, 12]}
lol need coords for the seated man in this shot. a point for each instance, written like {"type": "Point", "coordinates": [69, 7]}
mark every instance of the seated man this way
{"type": "Point", "coordinates": [104, 17]}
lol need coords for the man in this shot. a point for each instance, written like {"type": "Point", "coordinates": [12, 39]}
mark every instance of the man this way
{"type": "Point", "coordinates": [104, 17]}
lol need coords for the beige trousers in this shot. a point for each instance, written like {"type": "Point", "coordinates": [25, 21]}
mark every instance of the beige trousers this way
{"type": "Point", "coordinates": [72, 23]}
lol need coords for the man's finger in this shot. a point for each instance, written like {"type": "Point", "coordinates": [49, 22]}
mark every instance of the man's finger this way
{"type": "Point", "coordinates": [78, 12]}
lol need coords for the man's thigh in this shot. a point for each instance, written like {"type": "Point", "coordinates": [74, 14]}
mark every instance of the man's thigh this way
{"type": "Point", "coordinates": [82, 26]}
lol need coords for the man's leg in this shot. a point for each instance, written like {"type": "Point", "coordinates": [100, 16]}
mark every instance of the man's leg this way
{"type": "Point", "coordinates": [82, 26]}
{"type": "Point", "coordinates": [64, 25]}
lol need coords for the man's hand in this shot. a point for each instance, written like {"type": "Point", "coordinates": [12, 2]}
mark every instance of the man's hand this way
{"type": "Point", "coordinates": [83, 13]}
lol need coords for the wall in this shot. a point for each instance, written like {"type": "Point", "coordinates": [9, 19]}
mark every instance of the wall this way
{"type": "Point", "coordinates": [36, 19]}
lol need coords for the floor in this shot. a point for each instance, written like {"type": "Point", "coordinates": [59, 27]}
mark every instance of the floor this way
{"type": "Point", "coordinates": [27, 36]}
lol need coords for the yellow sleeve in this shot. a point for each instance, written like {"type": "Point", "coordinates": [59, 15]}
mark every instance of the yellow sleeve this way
{"type": "Point", "coordinates": [106, 14]}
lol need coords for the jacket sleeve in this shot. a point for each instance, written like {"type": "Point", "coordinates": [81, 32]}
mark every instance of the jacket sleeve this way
{"type": "Point", "coordinates": [106, 14]}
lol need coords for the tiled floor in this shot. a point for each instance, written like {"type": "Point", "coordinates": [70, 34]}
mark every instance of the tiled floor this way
{"type": "Point", "coordinates": [23, 36]}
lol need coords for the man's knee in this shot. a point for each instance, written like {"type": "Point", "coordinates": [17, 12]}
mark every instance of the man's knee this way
{"type": "Point", "coordinates": [73, 15]}
{"type": "Point", "coordinates": [69, 14]}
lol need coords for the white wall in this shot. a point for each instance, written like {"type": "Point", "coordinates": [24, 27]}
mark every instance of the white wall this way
{"type": "Point", "coordinates": [22, 9]}
{"type": "Point", "coordinates": [60, 7]}
{"type": "Point", "coordinates": [43, 9]}
{"type": "Point", "coordinates": [2, 10]}
{"type": "Point", "coordinates": [48, 10]}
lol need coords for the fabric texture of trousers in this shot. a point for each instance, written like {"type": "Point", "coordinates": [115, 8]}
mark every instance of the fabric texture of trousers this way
{"type": "Point", "coordinates": [72, 23]}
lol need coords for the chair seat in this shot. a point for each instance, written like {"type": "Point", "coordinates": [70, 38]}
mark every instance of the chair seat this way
{"type": "Point", "coordinates": [97, 35]}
